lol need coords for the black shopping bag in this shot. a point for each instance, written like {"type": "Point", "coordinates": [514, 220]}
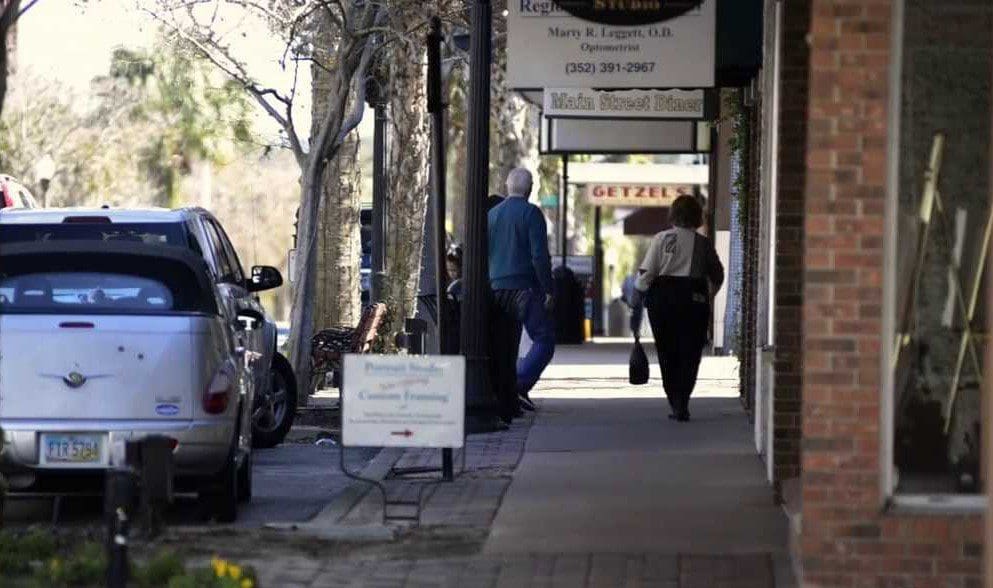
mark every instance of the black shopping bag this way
{"type": "Point", "coordinates": [638, 365]}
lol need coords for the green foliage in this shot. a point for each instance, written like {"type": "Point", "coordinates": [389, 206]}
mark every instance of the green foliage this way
{"type": "Point", "coordinates": [159, 570]}
{"type": "Point", "coordinates": [86, 566]}
{"type": "Point", "coordinates": [740, 144]}
{"type": "Point", "coordinates": [194, 112]}
{"type": "Point", "coordinates": [19, 549]}
{"type": "Point", "coordinates": [38, 558]}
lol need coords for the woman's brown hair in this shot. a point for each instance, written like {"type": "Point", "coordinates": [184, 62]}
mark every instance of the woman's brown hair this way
{"type": "Point", "coordinates": [687, 213]}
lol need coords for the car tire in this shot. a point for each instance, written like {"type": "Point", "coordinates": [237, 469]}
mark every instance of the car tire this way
{"type": "Point", "coordinates": [282, 381]}
{"type": "Point", "coordinates": [219, 498]}
{"type": "Point", "coordinates": [245, 480]}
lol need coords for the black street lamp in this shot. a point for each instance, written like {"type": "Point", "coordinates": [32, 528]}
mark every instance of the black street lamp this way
{"type": "Point", "coordinates": [481, 405]}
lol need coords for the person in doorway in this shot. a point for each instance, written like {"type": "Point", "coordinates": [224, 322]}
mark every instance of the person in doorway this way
{"type": "Point", "coordinates": [676, 282]}
{"type": "Point", "coordinates": [521, 279]}
{"type": "Point", "coordinates": [453, 266]}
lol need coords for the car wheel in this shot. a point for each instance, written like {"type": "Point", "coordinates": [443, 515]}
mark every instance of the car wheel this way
{"type": "Point", "coordinates": [245, 479]}
{"type": "Point", "coordinates": [219, 498]}
{"type": "Point", "coordinates": [276, 408]}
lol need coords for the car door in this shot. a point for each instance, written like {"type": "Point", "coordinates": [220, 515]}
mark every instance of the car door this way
{"type": "Point", "coordinates": [234, 282]}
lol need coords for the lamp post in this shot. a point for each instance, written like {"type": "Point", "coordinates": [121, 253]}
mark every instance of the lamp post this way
{"type": "Point", "coordinates": [44, 171]}
{"type": "Point", "coordinates": [481, 406]}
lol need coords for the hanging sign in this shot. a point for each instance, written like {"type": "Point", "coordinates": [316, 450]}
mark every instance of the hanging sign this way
{"type": "Point", "coordinates": [403, 401]}
{"type": "Point", "coordinates": [588, 103]}
{"type": "Point", "coordinates": [627, 12]}
{"type": "Point", "coordinates": [633, 195]}
{"type": "Point", "coordinates": [547, 47]}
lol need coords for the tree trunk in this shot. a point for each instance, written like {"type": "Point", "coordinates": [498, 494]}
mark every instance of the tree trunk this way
{"type": "Point", "coordinates": [345, 90]}
{"type": "Point", "coordinates": [336, 293]}
{"type": "Point", "coordinates": [337, 297]}
{"type": "Point", "coordinates": [408, 171]}
{"type": "Point", "coordinates": [8, 45]}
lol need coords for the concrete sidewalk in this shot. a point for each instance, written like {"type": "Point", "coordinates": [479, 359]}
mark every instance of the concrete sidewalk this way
{"type": "Point", "coordinates": [598, 489]}
{"type": "Point", "coordinates": [605, 472]}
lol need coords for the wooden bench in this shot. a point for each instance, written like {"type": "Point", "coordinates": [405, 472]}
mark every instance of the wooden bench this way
{"type": "Point", "coordinates": [329, 346]}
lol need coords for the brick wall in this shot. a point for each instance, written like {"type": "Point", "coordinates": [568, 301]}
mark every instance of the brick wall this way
{"type": "Point", "coordinates": [848, 539]}
{"type": "Point", "coordinates": [751, 234]}
{"type": "Point", "coordinates": [793, 99]}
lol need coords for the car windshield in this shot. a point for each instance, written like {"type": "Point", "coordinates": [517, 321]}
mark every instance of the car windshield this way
{"type": "Point", "coordinates": [75, 293]}
{"type": "Point", "coordinates": [172, 233]}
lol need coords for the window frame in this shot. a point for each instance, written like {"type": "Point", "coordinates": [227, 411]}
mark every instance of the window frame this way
{"type": "Point", "coordinates": [940, 504]}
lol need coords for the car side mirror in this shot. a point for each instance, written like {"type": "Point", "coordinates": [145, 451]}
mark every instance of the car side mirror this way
{"type": "Point", "coordinates": [264, 277]}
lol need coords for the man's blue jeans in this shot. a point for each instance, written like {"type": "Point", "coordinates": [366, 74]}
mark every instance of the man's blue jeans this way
{"type": "Point", "coordinates": [526, 308]}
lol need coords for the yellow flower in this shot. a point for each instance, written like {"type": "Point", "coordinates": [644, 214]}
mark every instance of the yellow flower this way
{"type": "Point", "coordinates": [220, 567]}
{"type": "Point", "coordinates": [54, 565]}
{"type": "Point", "coordinates": [234, 571]}
{"type": "Point", "coordinates": [247, 583]}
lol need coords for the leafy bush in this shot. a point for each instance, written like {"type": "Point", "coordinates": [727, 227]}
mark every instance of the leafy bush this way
{"type": "Point", "coordinates": [19, 550]}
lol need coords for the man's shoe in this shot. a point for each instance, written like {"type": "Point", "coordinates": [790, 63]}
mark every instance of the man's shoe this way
{"type": "Point", "coordinates": [527, 405]}
{"type": "Point", "coordinates": [683, 417]}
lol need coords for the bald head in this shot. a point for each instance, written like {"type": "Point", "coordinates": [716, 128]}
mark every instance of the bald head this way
{"type": "Point", "coordinates": [519, 182]}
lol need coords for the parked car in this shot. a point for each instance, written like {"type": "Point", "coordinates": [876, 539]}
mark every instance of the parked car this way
{"type": "Point", "coordinates": [13, 194]}
{"type": "Point", "coordinates": [105, 342]}
{"type": "Point", "coordinates": [198, 231]}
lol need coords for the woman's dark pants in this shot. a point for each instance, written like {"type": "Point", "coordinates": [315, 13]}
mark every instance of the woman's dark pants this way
{"type": "Point", "coordinates": [679, 326]}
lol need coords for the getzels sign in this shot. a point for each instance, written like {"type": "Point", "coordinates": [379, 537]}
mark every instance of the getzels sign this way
{"type": "Point", "coordinates": [549, 46]}
{"type": "Point", "coordinates": [631, 195]}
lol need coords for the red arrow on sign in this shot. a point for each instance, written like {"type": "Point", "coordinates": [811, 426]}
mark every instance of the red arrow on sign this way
{"type": "Point", "coordinates": [404, 433]}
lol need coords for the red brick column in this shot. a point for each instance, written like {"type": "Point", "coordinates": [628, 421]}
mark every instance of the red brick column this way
{"type": "Point", "coordinates": [849, 537]}
{"type": "Point", "coordinates": [793, 102]}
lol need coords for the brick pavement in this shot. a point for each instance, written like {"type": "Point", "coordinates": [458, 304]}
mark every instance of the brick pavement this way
{"type": "Point", "coordinates": [566, 571]}
{"type": "Point", "coordinates": [447, 548]}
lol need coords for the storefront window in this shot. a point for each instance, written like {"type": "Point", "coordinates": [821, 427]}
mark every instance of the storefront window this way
{"type": "Point", "coordinates": [941, 236]}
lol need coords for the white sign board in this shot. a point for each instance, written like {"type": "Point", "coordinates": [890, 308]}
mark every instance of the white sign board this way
{"type": "Point", "coordinates": [633, 195]}
{"type": "Point", "coordinates": [403, 401]}
{"type": "Point", "coordinates": [573, 135]}
{"type": "Point", "coordinates": [588, 103]}
{"type": "Point", "coordinates": [549, 48]}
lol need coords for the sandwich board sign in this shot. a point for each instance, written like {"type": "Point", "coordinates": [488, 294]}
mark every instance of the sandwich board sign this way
{"type": "Point", "coordinates": [403, 401]}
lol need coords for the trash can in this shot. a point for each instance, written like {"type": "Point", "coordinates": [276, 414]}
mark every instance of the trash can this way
{"type": "Point", "coordinates": [618, 317]}
{"type": "Point", "coordinates": [570, 307]}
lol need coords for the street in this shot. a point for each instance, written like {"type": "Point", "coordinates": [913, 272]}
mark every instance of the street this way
{"type": "Point", "coordinates": [291, 484]}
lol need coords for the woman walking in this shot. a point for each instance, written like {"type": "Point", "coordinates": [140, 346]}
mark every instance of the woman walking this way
{"type": "Point", "coordinates": [676, 282]}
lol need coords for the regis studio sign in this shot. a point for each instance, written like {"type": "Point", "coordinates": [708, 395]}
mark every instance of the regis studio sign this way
{"type": "Point", "coordinates": [628, 12]}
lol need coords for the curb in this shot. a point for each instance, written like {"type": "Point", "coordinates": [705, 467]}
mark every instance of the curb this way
{"type": "Point", "coordinates": [327, 523]}
{"type": "Point", "coordinates": [377, 469]}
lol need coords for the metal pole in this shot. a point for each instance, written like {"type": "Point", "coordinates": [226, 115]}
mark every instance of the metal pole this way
{"type": "Point", "coordinates": [436, 106]}
{"type": "Point", "coordinates": [597, 274]}
{"type": "Point", "coordinates": [379, 148]}
{"type": "Point", "coordinates": [564, 220]}
{"type": "Point", "coordinates": [481, 406]}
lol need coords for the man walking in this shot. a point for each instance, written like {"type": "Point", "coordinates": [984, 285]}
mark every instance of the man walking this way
{"type": "Point", "coordinates": [521, 279]}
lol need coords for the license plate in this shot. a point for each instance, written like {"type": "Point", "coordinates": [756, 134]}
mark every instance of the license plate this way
{"type": "Point", "coordinates": [72, 449]}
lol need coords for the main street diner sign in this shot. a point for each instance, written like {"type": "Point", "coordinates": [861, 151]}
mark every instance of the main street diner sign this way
{"type": "Point", "coordinates": [549, 47]}
{"type": "Point", "coordinates": [628, 12]}
{"type": "Point", "coordinates": [634, 195]}
{"type": "Point", "coordinates": [589, 103]}
{"type": "Point", "coordinates": [403, 401]}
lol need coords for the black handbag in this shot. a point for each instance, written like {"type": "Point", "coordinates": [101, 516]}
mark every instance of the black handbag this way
{"type": "Point", "coordinates": [638, 364]}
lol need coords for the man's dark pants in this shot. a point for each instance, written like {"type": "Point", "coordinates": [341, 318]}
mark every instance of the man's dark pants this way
{"type": "Point", "coordinates": [512, 311]}
{"type": "Point", "coordinates": [679, 327]}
